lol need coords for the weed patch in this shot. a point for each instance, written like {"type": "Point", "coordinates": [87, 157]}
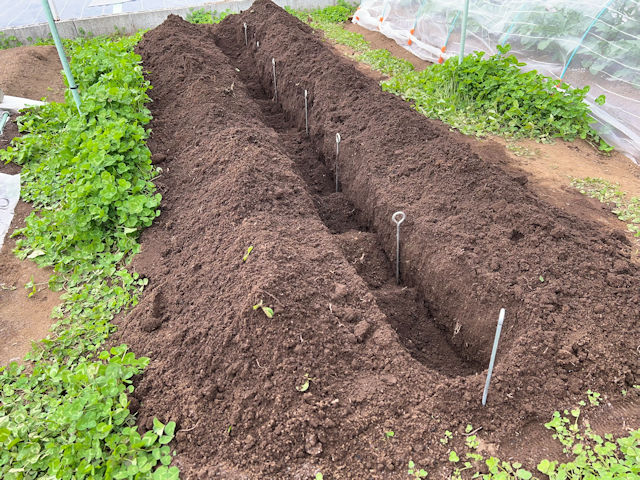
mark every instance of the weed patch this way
{"type": "Point", "coordinates": [89, 179]}
{"type": "Point", "coordinates": [610, 193]}
{"type": "Point", "coordinates": [493, 95]}
{"type": "Point", "coordinates": [200, 15]}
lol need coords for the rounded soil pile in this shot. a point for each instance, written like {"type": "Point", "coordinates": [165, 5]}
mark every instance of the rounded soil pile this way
{"type": "Point", "coordinates": [349, 355]}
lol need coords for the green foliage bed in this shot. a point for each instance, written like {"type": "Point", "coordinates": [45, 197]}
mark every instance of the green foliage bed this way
{"type": "Point", "coordinates": [89, 177]}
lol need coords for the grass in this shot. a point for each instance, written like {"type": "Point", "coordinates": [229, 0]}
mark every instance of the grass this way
{"type": "Point", "coordinates": [610, 193]}
{"type": "Point", "coordinates": [89, 179]}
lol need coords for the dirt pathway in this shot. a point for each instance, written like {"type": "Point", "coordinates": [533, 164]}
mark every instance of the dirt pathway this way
{"type": "Point", "coordinates": [23, 319]}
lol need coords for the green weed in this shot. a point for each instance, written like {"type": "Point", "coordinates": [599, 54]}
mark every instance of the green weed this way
{"type": "Point", "coordinates": [610, 193]}
{"type": "Point", "coordinates": [200, 15]}
{"type": "Point", "coordinates": [593, 457]}
{"type": "Point", "coordinates": [246, 255]}
{"type": "Point", "coordinates": [481, 95]}
{"type": "Point", "coordinates": [268, 311]}
{"type": "Point", "coordinates": [9, 41]}
{"type": "Point", "coordinates": [416, 472]}
{"type": "Point", "coordinates": [88, 178]}
{"type": "Point", "coordinates": [339, 13]}
{"type": "Point", "coordinates": [493, 95]}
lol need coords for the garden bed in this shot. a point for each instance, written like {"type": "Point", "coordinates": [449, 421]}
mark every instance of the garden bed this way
{"type": "Point", "coordinates": [348, 355]}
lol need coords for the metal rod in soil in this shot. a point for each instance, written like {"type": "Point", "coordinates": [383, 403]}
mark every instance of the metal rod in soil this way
{"type": "Point", "coordinates": [306, 113]}
{"type": "Point", "coordinates": [338, 139]}
{"type": "Point", "coordinates": [398, 218]}
{"type": "Point", "coordinates": [275, 83]}
{"type": "Point", "coordinates": [493, 356]}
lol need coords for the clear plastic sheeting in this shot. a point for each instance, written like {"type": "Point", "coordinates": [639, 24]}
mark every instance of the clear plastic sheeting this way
{"type": "Point", "coordinates": [9, 196]}
{"type": "Point", "coordinates": [30, 12]}
{"type": "Point", "coordinates": [583, 42]}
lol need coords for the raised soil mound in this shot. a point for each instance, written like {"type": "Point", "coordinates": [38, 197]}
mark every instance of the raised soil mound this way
{"type": "Point", "coordinates": [32, 72]}
{"type": "Point", "coordinates": [239, 170]}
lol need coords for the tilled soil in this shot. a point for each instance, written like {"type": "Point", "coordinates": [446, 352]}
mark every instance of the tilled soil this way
{"type": "Point", "coordinates": [32, 72]}
{"type": "Point", "coordinates": [239, 170]}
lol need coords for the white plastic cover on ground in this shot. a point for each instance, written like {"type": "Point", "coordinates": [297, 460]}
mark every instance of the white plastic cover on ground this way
{"type": "Point", "coordinates": [583, 42]}
{"type": "Point", "coordinates": [9, 196]}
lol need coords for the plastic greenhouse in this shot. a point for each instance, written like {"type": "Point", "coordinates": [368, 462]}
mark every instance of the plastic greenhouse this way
{"type": "Point", "coordinates": [582, 42]}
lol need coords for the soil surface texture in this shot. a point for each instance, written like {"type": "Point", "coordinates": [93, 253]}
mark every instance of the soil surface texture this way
{"type": "Point", "coordinates": [549, 167]}
{"type": "Point", "coordinates": [23, 319]}
{"type": "Point", "coordinates": [32, 72]}
{"type": "Point", "coordinates": [349, 354]}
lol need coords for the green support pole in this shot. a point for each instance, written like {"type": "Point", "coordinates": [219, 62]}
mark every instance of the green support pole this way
{"type": "Point", "coordinates": [61, 54]}
{"type": "Point", "coordinates": [463, 32]}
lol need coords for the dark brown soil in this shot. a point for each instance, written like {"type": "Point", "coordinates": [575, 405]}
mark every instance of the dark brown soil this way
{"type": "Point", "coordinates": [238, 170]}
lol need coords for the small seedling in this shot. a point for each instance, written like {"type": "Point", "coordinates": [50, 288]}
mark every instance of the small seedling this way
{"type": "Point", "coordinates": [453, 456]}
{"type": "Point", "coordinates": [319, 476]}
{"type": "Point", "coordinates": [472, 442]}
{"type": "Point", "coordinates": [30, 285]}
{"type": "Point", "coordinates": [593, 398]}
{"type": "Point", "coordinates": [541, 278]}
{"type": "Point", "coordinates": [447, 436]}
{"type": "Point", "coordinates": [246, 255]}
{"type": "Point", "coordinates": [229, 430]}
{"type": "Point", "coordinates": [468, 428]}
{"type": "Point", "coordinates": [416, 472]}
{"type": "Point", "coordinates": [389, 434]}
{"type": "Point", "coordinates": [268, 311]}
{"type": "Point", "coordinates": [305, 385]}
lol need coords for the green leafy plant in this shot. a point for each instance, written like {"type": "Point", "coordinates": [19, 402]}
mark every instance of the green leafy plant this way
{"type": "Point", "coordinates": [200, 15]}
{"type": "Point", "coordinates": [626, 210]}
{"type": "Point", "coordinates": [595, 457]}
{"type": "Point", "coordinates": [448, 435]}
{"type": "Point", "coordinates": [9, 41]}
{"type": "Point", "coordinates": [268, 311]}
{"type": "Point", "coordinates": [493, 95]}
{"type": "Point", "coordinates": [305, 384]}
{"type": "Point", "coordinates": [246, 255]}
{"type": "Point", "coordinates": [89, 178]}
{"type": "Point", "coordinates": [416, 472]}
{"type": "Point", "coordinates": [382, 61]}
{"type": "Point", "coordinates": [389, 434]}
{"type": "Point", "coordinates": [339, 13]}
{"type": "Point", "coordinates": [480, 96]}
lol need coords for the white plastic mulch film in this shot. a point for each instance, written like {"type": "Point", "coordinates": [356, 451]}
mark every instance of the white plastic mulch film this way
{"type": "Point", "coordinates": [9, 195]}
{"type": "Point", "coordinates": [583, 42]}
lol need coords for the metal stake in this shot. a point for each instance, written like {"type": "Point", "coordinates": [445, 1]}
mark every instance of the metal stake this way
{"type": "Point", "coordinates": [337, 156]}
{"type": "Point", "coordinates": [493, 357]}
{"type": "Point", "coordinates": [63, 58]}
{"type": "Point", "coordinates": [306, 113]}
{"type": "Point", "coordinates": [398, 218]}
{"type": "Point", "coordinates": [275, 85]}
{"type": "Point", "coordinates": [246, 41]}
